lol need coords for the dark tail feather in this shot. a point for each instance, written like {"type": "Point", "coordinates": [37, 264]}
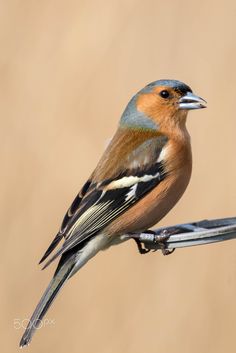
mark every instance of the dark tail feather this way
{"type": "Point", "coordinates": [59, 279]}
{"type": "Point", "coordinates": [52, 246]}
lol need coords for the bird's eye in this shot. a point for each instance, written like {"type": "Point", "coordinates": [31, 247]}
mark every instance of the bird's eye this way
{"type": "Point", "coordinates": [164, 94]}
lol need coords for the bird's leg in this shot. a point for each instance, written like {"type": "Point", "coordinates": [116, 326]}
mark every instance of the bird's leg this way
{"type": "Point", "coordinates": [161, 238]}
{"type": "Point", "coordinates": [141, 245]}
{"type": "Point", "coordinates": [142, 250]}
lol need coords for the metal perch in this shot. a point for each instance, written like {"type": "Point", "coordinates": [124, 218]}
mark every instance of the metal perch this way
{"type": "Point", "coordinates": [187, 234]}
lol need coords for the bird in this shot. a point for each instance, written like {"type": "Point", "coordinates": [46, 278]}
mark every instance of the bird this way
{"type": "Point", "coordinates": [141, 175]}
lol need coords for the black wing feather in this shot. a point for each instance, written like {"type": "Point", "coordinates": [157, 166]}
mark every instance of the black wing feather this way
{"type": "Point", "coordinates": [68, 216]}
{"type": "Point", "coordinates": [110, 204]}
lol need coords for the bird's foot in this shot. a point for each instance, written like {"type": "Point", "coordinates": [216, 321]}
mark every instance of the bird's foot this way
{"type": "Point", "coordinates": [161, 239]}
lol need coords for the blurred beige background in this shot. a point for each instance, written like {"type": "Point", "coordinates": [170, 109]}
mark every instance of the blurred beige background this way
{"type": "Point", "coordinates": [68, 68]}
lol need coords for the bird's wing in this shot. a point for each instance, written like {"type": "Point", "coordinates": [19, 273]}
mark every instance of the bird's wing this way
{"type": "Point", "coordinates": [106, 202]}
{"type": "Point", "coordinates": [68, 216]}
{"type": "Point", "coordinates": [119, 181]}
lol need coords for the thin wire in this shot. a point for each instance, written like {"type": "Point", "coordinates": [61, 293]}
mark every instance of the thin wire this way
{"type": "Point", "coordinates": [189, 234]}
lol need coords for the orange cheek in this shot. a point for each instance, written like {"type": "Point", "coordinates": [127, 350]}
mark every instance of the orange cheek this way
{"type": "Point", "coordinates": [147, 103]}
{"type": "Point", "coordinates": [146, 99]}
{"type": "Point", "coordinates": [152, 106]}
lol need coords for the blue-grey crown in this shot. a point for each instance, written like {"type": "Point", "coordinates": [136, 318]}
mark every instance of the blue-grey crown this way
{"type": "Point", "coordinates": [175, 84]}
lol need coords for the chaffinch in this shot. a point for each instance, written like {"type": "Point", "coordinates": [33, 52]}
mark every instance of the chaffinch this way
{"type": "Point", "coordinates": [140, 177]}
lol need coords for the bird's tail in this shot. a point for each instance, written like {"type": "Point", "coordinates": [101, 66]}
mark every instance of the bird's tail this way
{"type": "Point", "coordinates": [62, 274]}
{"type": "Point", "coordinates": [70, 262]}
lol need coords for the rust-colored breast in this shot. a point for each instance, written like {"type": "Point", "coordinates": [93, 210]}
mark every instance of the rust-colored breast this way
{"type": "Point", "coordinates": [158, 202]}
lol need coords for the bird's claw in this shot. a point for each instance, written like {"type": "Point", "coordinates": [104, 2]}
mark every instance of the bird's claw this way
{"type": "Point", "coordinates": [166, 252]}
{"type": "Point", "coordinates": [161, 240]}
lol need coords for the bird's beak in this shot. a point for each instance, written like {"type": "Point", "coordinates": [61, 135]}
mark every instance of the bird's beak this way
{"type": "Point", "coordinates": [191, 101]}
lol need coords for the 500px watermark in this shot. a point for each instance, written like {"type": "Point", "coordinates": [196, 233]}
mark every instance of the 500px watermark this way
{"type": "Point", "coordinates": [37, 324]}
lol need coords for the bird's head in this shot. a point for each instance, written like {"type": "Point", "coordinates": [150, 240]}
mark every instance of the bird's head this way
{"type": "Point", "coordinates": [162, 101]}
